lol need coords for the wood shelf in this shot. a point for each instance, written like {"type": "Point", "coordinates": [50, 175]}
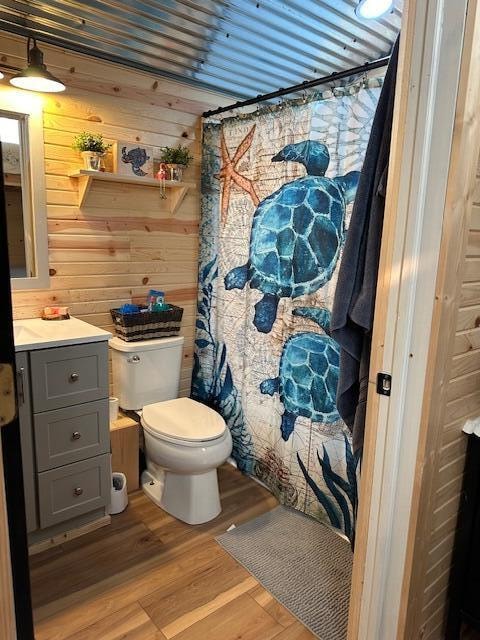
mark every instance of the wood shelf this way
{"type": "Point", "coordinates": [176, 190]}
{"type": "Point", "coordinates": [12, 180]}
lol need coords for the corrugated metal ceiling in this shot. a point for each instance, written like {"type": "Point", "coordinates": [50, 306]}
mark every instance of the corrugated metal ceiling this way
{"type": "Point", "coordinates": [238, 47]}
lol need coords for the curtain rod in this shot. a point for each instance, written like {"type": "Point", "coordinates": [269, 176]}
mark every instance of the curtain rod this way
{"type": "Point", "coordinates": [307, 84]}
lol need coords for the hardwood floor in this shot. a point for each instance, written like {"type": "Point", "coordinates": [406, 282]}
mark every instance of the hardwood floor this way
{"type": "Point", "coordinates": [151, 577]}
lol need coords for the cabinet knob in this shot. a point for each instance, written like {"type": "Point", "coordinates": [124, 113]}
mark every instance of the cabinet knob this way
{"type": "Point", "coordinates": [78, 491]}
{"type": "Point", "coordinates": [76, 435]}
{"type": "Point", "coordinates": [74, 377]}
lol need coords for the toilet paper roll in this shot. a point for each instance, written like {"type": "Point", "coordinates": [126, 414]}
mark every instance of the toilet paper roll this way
{"type": "Point", "coordinates": [113, 407]}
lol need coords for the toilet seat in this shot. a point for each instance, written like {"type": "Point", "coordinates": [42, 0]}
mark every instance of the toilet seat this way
{"type": "Point", "coordinates": [184, 421]}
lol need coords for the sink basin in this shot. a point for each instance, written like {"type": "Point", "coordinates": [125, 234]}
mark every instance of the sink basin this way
{"type": "Point", "coordinates": [36, 333]}
{"type": "Point", "coordinates": [22, 333]}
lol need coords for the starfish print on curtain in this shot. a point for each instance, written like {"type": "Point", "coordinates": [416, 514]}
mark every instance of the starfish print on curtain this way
{"type": "Point", "coordinates": [228, 173]}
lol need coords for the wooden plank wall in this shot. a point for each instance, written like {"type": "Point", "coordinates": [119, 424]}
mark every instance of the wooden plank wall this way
{"type": "Point", "coordinates": [123, 241]}
{"type": "Point", "coordinates": [463, 402]}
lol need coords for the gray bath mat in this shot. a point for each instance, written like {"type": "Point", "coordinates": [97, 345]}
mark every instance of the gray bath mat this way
{"type": "Point", "coordinates": [303, 563]}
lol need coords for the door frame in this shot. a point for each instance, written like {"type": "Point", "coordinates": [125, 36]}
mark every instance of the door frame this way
{"type": "Point", "coordinates": [15, 599]}
{"type": "Point", "coordinates": [433, 111]}
{"type": "Point", "coordinates": [8, 628]}
{"type": "Point", "coordinates": [7, 605]}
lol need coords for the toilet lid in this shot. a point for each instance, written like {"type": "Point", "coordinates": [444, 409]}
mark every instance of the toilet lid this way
{"type": "Point", "coordinates": [183, 419]}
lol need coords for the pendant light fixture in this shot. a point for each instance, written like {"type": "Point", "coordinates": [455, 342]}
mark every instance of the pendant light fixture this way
{"type": "Point", "coordinates": [373, 9]}
{"type": "Point", "coordinates": [1, 76]}
{"type": "Point", "coordinates": [36, 77]}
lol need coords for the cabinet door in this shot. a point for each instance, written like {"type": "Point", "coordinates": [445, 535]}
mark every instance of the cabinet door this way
{"type": "Point", "coordinates": [64, 376]}
{"type": "Point", "coordinates": [26, 438]}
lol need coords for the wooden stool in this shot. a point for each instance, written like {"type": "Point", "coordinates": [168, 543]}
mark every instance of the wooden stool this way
{"type": "Point", "coordinates": [124, 437]}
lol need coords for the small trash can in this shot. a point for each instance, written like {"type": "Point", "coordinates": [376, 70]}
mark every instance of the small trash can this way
{"type": "Point", "coordinates": [119, 497]}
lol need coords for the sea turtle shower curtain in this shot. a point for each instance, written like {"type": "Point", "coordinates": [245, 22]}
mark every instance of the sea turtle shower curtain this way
{"type": "Point", "coordinates": [277, 190]}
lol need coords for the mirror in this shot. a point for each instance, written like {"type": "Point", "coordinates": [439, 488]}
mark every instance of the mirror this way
{"type": "Point", "coordinates": [21, 136]}
{"type": "Point", "coordinates": [16, 181]}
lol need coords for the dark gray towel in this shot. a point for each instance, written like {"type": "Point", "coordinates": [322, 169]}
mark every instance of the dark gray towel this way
{"type": "Point", "coordinates": [354, 303]}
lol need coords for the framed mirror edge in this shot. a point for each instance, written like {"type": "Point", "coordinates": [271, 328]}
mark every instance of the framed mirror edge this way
{"type": "Point", "coordinates": [22, 103]}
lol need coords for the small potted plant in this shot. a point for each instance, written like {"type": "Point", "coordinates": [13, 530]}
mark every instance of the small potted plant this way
{"type": "Point", "coordinates": [92, 148]}
{"type": "Point", "coordinates": [173, 161]}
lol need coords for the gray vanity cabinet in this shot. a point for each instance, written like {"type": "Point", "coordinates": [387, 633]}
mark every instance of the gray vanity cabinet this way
{"type": "Point", "coordinates": [26, 439]}
{"type": "Point", "coordinates": [65, 435]}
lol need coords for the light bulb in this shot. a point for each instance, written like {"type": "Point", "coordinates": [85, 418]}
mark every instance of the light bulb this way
{"type": "Point", "coordinates": [372, 9]}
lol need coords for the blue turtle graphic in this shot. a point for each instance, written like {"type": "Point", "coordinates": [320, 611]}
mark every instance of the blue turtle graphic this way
{"type": "Point", "coordinates": [308, 374]}
{"type": "Point", "coordinates": [137, 157]}
{"type": "Point", "coordinates": [297, 233]}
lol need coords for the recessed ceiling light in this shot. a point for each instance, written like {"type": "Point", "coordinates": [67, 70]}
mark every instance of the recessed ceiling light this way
{"type": "Point", "coordinates": [36, 77]}
{"type": "Point", "coordinates": [372, 9]}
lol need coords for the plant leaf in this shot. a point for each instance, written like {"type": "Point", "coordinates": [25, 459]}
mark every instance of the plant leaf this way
{"type": "Point", "coordinates": [226, 386]}
{"type": "Point", "coordinates": [321, 497]}
{"type": "Point", "coordinates": [341, 482]}
{"type": "Point", "coordinates": [351, 464]}
{"type": "Point", "coordinates": [223, 357]}
{"type": "Point", "coordinates": [328, 476]}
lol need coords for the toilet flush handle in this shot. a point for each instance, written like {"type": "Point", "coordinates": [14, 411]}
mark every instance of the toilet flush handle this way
{"type": "Point", "coordinates": [134, 359]}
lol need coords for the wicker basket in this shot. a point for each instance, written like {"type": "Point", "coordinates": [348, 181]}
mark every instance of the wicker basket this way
{"type": "Point", "coordinates": [147, 324]}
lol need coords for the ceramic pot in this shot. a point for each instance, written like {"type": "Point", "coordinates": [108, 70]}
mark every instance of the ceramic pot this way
{"type": "Point", "coordinates": [174, 171]}
{"type": "Point", "coordinates": [93, 160]}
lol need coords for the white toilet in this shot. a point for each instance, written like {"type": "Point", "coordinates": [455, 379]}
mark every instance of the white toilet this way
{"type": "Point", "coordinates": [185, 441]}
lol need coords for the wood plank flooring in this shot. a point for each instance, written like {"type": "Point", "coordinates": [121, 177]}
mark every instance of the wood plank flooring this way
{"type": "Point", "coordinates": [149, 576]}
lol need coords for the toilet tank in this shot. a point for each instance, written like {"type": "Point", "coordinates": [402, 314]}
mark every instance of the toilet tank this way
{"type": "Point", "coordinates": [146, 371]}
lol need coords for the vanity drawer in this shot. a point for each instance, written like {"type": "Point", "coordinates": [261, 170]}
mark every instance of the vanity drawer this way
{"type": "Point", "coordinates": [73, 433]}
{"type": "Point", "coordinates": [72, 490]}
{"type": "Point", "coordinates": [69, 375]}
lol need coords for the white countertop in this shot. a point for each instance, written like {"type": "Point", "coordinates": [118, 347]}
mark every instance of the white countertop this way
{"type": "Point", "coordinates": [36, 333]}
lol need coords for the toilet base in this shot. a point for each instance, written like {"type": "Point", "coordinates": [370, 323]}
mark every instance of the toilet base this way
{"type": "Point", "coordinates": [194, 499]}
